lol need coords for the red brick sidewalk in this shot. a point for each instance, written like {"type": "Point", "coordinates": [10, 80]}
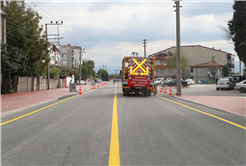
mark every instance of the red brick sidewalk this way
{"type": "Point", "coordinates": [227, 103]}
{"type": "Point", "coordinates": [20, 100]}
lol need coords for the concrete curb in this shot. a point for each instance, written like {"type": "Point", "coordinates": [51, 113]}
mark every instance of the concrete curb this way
{"type": "Point", "coordinates": [175, 96]}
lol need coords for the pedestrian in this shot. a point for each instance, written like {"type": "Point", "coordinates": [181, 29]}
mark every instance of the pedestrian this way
{"type": "Point", "coordinates": [164, 82]}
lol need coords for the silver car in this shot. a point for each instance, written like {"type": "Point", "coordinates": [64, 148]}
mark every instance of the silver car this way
{"type": "Point", "coordinates": [190, 81]}
{"type": "Point", "coordinates": [224, 83]}
{"type": "Point", "coordinates": [241, 86]}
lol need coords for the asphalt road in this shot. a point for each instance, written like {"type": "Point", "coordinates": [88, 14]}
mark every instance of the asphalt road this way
{"type": "Point", "coordinates": [156, 130]}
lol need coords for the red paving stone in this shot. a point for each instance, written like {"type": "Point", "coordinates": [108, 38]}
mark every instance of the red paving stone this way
{"type": "Point", "coordinates": [227, 103]}
{"type": "Point", "coordinates": [25, 99]}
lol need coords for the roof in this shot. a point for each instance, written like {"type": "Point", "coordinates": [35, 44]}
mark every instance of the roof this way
{"type": "Point", "coordinates": [4, 12]}
{"type": "Point", "coordinates": [161, 67]}
{"type": "Point", "coordinates": [54, 47]}
{"type": "Point", "coordinates": [206, 64]}
{"type": "Point", "coordinates": [165, 50]}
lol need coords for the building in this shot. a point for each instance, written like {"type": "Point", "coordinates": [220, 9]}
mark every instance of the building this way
{"type": "Point", "coordinates": [161, 68]}
{"type": "Point", "coordinates": [204, 71]}
{"type": "Point", "coordinates": [70, 56]}
{"type": "Point", "coordinates": [197, 54]}
{"type": "Point", "coordinates": [3, 15]}
{"type": "Point", "coordinates": [55, 55]}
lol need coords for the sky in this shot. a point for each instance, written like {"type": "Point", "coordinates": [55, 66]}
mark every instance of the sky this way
{"type": "Point", "coordinates": [110, 30]}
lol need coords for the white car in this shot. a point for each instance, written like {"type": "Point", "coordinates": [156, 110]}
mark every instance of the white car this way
{"type": "Point", "coordinates": [82, 82]}
{"type": "Point", "coordinates": [224, 83]}
{"type": "Point", "coordinates": [241, 86]}
{"type": "Point", "coordinates": [190, 81]}
{"type": "Point", "coordinates": [158, 81]}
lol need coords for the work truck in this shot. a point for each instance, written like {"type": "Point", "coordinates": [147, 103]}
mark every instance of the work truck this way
{"type": "Point", "coordinates": [138, 76]}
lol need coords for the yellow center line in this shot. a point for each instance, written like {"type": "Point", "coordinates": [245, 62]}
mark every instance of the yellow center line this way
{"type": "Point", "coordinates": [22, 116]}
{"type": "Point", "coordinates": [216, 117]}
{"type": "Point", "coordinates": [114, 155]}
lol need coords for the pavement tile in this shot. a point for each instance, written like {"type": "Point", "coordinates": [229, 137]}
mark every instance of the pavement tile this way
{"type": "Point", "coordinates": [231, 104]}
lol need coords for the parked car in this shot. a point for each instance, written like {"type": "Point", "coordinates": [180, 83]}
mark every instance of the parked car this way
{"type": "Point", "coordinates": [225, 83]}
{"type": "Point", "coordinates": [190, 81]}
{"type": "Point", "coordinates": [158, 81]}
{"type": "Point", "coordinates": [82, 82]}
{"type": "Point", "coordinates": [173, 82]}
{"type": "Point", "coordinates": [198, 82]}
{"type": "Point", "coordinates": [241, 86]}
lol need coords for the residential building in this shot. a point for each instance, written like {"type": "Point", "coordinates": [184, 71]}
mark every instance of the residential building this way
{"type": "Point", "coordinates": [55, 55]}
{"type": "Point", "coordinates": [3, 15]}
{"type": "Point", "coordinates": [70, 56]}
{"type": "Point", "coordinates": [197, 54]}
{"type": "Point", "coordinates": [204, 71]}
{"type": "Point", "coordinates": [161, 68]}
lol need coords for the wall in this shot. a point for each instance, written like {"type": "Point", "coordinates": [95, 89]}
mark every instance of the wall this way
{"type": "Point", "coordinates": [34, 84]}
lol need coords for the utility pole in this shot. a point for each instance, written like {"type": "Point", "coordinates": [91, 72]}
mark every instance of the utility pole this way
{"type": "Point", "coordinates": [100, 74]}
{"type": "Point", "coordinates": [116, 71]}
{"type": "Point", "coordinates": [48, 65]}
{"type": "Point", "coordinates": [133, 52]}
{"type": "Point", "coordinates": [145, 42]}
{"type": "Point", "coordinates": [213, 69]}
{"type": "Point", "coordinates": [80, 52]}
{"type": "Point", "coordinates": [178, 59]}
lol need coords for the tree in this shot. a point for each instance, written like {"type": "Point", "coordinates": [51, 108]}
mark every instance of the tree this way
{"type": "Point", "coordinates": [237, 26]}
{"type": "Point", "coordinates": [113, 76]}
{"type": "Point", "coordinates": [87, 68]}
{"type": "Point", "coordinates": [11, 60]}
{"type": "Point", "coordinates": [225, 70]}
{"type": "Point", "coordinates": [104, 74]}
{"type": "Point", "coordinates": [171, 61]}
{"type": "Point", "coordinates": [24, 33]}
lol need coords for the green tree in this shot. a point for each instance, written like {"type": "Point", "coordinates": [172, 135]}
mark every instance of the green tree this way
{"type": "Point", "coordinates": [54, 72]}
{"type": "Point", "coordinates": [114, 75]}
{"type": "Point", "coordinates": [171, 61]}
{"type": "Point", "coordinates": [87, 68]}
{"type": "Point", "coordinates": [104, 74]}
{"type": "Point", "coordinates": [237, 26]}
{"type": "Point", "coordinates": [24, 33]}
{"type": "Point", "coordinates": [225, 70]}
{"type": "Point", "coordinates": [11, 60]}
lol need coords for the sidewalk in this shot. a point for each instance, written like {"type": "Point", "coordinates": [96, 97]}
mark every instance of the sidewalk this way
{"type": "Point", "coordinates": [21, 100]}
{"type": "Point", "coordinates": [230, 104]}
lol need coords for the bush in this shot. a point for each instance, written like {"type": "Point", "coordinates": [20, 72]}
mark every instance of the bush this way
{"type": "Point", "coordinates": [54, 73]}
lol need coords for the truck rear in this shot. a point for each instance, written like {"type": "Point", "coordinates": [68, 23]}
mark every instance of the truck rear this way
{"type": "Point", "coordinates": [138, 76]}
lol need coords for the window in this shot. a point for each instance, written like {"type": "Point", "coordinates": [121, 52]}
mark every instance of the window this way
{"type": "Point", "coordinates": [52, 58]}
{"type": "Point", "coordinates": [64, 54]}
{"type": "Point", "coordinates": [57, 58]}
{"type": "Point", "coordinates": [191, 70]}
{"type": "Point", "coordinates": [166, 71]}
{"type": "Point", "coordinates": [64, 63]}
{"type": "Point", "coordinates": [64, 48]}
{"type": "Point", "coordinates": [157, 62]}
{"type": "Point", "coordinates": [165, 62]}
{"type": "Point", "coordinates": [157, 71]}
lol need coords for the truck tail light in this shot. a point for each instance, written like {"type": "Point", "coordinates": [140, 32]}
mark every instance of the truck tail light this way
{"type": "Point", "coordinates": [227, 83]}
{"type": "Point", "coordinates": [216, 83]}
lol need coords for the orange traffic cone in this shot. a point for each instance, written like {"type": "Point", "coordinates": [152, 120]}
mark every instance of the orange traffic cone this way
{"type": "Point", "coordinates": [165, 90]}
{"type": "Point", "coordinates": [94, 87]}
{"type": "Point", "coordinates": [161, 90]}
{"type": "Point", "coordinates": [80, 91]}
{"type": "Point", "coordinates": [170, 94]}
{"type": "Point", "coordinates": [98, 85]}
